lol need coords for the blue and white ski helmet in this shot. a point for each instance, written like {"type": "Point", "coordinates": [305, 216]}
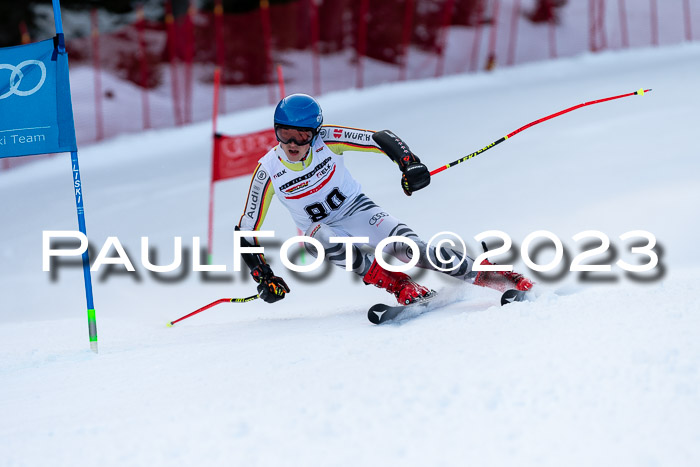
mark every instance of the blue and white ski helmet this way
{"type": "Point", "coordinates": [299, 111]}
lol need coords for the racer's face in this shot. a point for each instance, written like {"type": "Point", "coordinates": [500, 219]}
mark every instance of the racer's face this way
{"type": "Point", "coordinates": [295, 152]}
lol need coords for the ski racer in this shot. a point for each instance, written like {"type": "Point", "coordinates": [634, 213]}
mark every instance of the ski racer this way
{"type": "Point", "coordinates": [307, 172]}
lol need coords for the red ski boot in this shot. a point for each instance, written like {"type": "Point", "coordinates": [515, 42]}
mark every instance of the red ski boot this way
{"type": "Point", "coordinates": [404, 289]}
{"type": "Point", "coordinates": [502, 280]}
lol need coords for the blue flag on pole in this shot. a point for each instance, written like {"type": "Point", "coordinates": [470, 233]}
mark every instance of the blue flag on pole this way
{"type": "Point", "coordinates": [36, 115]}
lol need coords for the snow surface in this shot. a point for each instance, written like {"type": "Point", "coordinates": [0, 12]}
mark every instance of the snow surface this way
{"type": "Point", "coordinates": [596, 372]}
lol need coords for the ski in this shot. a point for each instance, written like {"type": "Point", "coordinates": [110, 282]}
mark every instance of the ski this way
{"type": "Point", "coordinates": [513, 295]}
{"type": "Point", "coordinates": [381, 313]}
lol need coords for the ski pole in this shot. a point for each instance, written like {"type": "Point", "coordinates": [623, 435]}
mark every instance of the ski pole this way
{"type": "Point", "coordinates": [221, 300]}
{"type": "Point", "coordinates": [548, 117]}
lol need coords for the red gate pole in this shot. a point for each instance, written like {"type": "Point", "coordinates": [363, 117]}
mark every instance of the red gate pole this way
{"type": "Point", "coordinates": [315, 38]}
{"type": "Point", "coordinates": [623, 24]}
{"type": "Point", "coordinates": [146, 111]}
{"type": "Point", "coordinates": [280, 81]}
{"type": "Point", "coordinates": [514, 19]}
{"type": "Point", "coordinates": [491, 59]}
{"type": "Point", "coordinates": [267, 43]}
{"type": "Point", "coordinates": [95, 35]}
{"type": "Point", "coordinates": [654, 23]}
{"type": "Point", "coordinates": [174, 81]}
{"type": "Point", "coordinates": [189, 58]}
{"type": "Point", "coordinates": [361, 41]}
{"type": "Point", "coordinates": [477, 37]}
{"type": "Point", "coordinates": [552, 30]}
{"type": "Point", "coordinates": [214, 159]}
{"type": "Point", "coordinates": [442, 37]}
{"type": "Point", "coordinates": [592, 24]}
{"type": "Point", "coordinates": [406, 38]}
{"type": "Point", "coordinates": [688, 21]}
{"type": "Point", "coordinates": [601, 25]}
{"type": "Point", "coordinates": [220, 45]}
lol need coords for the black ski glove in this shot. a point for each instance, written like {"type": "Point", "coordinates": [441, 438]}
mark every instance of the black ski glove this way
{"type": "Point", "coordinates": [270, 287]}
{"type": "Point", "coordinates": [415, 176]}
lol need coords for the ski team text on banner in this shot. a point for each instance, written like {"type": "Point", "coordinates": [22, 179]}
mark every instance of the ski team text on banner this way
{"type": "Point", "coordinates": [36, 116]}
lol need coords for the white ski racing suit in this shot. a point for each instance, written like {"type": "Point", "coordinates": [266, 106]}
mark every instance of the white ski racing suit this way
{"type": "Point", "coordinates": [326, 201]}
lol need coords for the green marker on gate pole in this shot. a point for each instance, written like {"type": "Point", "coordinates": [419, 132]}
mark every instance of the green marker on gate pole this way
{"type": "Point", "coordinates": [65, 113]}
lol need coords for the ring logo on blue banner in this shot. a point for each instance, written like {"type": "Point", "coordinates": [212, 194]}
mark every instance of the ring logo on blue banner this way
{"type": "Point", "coordinates": [17, 76]}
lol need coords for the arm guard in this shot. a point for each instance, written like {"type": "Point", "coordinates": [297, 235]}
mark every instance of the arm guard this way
{"type": "Point", "coordinates": [252, 260]}
{"type": "Point", "coordinates": [395, 148]}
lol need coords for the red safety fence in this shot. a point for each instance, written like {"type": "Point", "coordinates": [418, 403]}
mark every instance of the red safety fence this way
{"type": "Point", "coordinates": [158, 72]}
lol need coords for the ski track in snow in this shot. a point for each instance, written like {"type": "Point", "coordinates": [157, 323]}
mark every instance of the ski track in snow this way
{"type": "Point", "coordinates": [588, 374]}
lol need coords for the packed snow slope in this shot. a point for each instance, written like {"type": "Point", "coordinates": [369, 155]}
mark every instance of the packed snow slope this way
{"type": "Point", "coordinates": [602, 369]}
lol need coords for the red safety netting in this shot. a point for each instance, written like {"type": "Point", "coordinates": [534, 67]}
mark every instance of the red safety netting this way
{"type": "Point", "coordinates": [158, 72]}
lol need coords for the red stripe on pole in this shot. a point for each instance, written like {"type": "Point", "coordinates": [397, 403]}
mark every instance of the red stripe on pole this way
{"type": "Point", "coordinates": [514, 20]}
{"type": "Point", "coordinates": [99, 118]}
{"type": "Point", "coordinates": [217, 302]}
{"type": "Point", "coordinates": [554, 115]}
{"type": "Point", "coordinates": [406, 38]}
{"type": "Point", "coordinates": [222, 300]}
{"type": "Point", "coordinates": [549, 117]}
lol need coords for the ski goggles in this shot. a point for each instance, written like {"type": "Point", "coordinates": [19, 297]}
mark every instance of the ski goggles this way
{"type": "Point", "coordinates": [295, 135]}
